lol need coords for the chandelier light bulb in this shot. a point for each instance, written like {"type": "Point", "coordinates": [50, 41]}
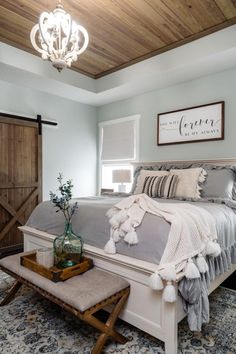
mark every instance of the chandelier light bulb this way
{"type": "Point", "coordinates": [57, 38]}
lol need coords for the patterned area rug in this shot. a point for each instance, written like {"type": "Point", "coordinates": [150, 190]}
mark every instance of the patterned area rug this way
{"type": "Point", "coordinates": [31, 324]}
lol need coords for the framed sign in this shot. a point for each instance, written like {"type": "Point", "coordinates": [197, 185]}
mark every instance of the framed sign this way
{"type": "Point", "coordinates": [193, 124]}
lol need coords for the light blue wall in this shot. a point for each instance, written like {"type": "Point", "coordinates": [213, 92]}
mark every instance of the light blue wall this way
{"type": "Point", "coordinates": [217, 87]}
{"type": "Point", "coordinates": [69, 148]}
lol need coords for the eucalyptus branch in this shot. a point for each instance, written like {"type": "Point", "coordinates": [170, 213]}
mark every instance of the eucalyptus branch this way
{"type": "Point", "coordinates": [62, 202]}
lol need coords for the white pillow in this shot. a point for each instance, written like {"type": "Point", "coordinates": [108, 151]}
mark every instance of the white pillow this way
{"type": "Point", "coordinates": [188, 184]}
{"type": "Point", "coordinates": [146, 173]}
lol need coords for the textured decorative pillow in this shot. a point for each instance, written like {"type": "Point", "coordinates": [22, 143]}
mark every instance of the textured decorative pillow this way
{"type": "Point", "coordinates": [146, 173]}
{"type": "Point", "coordinates": [218, 184]}
{"type": "Point", "coordinates": [188, 184]}
{"type": "Point", "coordinates": [160, 187]}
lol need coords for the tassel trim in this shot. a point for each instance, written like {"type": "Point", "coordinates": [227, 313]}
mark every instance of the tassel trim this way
{"type": "Point", "coordinates": [201, 179]}
{"type": "Point", "coordinates": [202, 264]}
{"type": "Point", "coordinates": [131, 237]}
{"type": "Point", "coordinates": [116, 235]}
{"type": "Point", "coordinates": [168, 273]}
{"type": "Point", "coordinates": [110, 247]}
{"type": "Point", "coordinates": [191, 271]}
{"type": "Point", "coordinates": [202, 176]}
{"type": "Point", "coordinates": [155, 281]}
{"type": "Point", "coordinates": [212, 249]}
{"type": "Point", "coordinates": [169, 294]}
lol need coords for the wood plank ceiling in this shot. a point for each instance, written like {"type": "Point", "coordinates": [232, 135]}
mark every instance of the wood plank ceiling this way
{"type": "Point", "coordinates": [122, 32]}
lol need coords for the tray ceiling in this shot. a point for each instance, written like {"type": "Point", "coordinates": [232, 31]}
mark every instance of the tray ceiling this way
{"type": "Point", "coordinates": [122, 32]}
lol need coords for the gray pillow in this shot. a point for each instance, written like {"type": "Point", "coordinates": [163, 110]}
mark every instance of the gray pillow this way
{"type": "Point", "coordinates": [218, 183]}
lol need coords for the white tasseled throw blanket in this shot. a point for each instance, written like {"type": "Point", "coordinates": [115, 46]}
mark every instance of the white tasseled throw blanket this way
{"type": "Point", "coordinates": [192, 233]}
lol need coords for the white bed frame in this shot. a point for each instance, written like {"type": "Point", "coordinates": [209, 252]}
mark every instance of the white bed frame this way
{"type": "Point", "coordinates": [145, 308]}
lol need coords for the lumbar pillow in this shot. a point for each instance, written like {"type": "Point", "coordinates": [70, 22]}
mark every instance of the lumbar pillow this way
{"type": "Point", "coordinates": [188, 184]}
{"type": "Point", "coordinates": [146, 173]}
{"type": "Point", "coordinates": [160, 187]}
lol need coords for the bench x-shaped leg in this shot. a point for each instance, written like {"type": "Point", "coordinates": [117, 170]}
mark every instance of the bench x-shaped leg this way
{"type": "Point", "coordinates": [107, 328]}
{"type": "Point", "coordinates": [11, 294]}
{"type": "Point", "coordinates": [118, 300]}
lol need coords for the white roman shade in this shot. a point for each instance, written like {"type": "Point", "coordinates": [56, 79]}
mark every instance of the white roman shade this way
{"type": "Point", "coordinates": [119, 141]}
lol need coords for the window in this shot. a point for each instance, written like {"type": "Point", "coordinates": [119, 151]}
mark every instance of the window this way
{"type": "Point", "coordinates": [119, 146]}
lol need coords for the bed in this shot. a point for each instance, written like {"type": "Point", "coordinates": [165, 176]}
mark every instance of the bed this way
{"type": "Point", "coordinates": [146, 308]}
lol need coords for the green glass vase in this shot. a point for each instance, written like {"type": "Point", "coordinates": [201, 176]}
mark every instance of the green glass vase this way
{"type": "Point", "coordinates": [68, 248]}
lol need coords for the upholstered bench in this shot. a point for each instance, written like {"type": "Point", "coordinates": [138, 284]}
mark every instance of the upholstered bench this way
{"type": "Point", "coordinates": [82, 295]}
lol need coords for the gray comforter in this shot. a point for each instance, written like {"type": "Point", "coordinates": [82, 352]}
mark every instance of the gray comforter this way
{"type": "Point", "coordinates": [91, 223]}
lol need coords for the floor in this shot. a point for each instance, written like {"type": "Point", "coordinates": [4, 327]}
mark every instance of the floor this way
{"type": "Point", "coordinates": [33, 325]}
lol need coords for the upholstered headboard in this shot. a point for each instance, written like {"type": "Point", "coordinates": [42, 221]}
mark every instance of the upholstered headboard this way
{"type": "Point", "coordinates": [222, 161]}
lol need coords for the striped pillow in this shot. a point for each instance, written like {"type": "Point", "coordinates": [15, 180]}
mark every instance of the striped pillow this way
{"type": "Point", "coordinates": [160, 187]}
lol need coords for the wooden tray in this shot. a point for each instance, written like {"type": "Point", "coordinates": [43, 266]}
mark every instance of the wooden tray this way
{"type": "Point", "coordinates": [55, 274]}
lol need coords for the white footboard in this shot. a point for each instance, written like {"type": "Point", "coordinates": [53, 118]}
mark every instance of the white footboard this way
{"type": "Point", "coordinates": [145, 308]}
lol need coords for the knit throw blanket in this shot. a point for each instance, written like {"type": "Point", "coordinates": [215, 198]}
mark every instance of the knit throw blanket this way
{"type": "Point", "coordinates": [192, 237]}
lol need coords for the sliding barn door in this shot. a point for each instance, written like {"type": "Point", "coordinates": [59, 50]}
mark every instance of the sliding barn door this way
{"type": "Point", "coordinates": [20, 178]}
